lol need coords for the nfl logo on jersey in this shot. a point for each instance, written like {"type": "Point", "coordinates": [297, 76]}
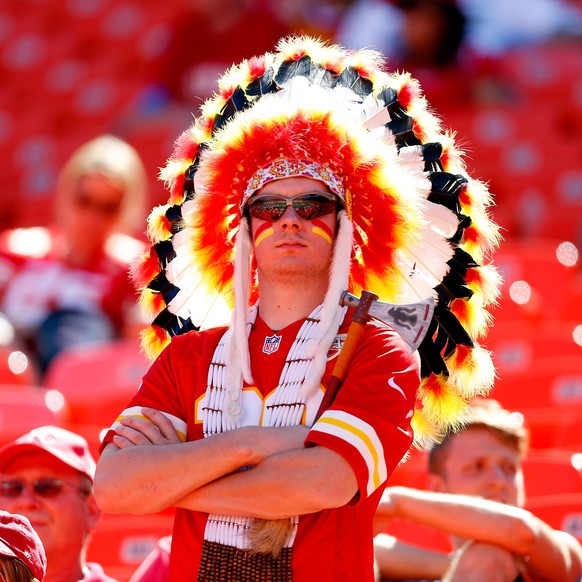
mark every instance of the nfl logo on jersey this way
{"type": "Point", "coordinates": [271, 344]}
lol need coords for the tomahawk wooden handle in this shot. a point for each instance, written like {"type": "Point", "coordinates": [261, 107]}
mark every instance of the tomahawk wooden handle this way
{"type": "Point", "coordinates": [359, 320]}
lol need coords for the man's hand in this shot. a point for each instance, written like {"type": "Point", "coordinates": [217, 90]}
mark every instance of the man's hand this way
{"type": "Point", "coordinates": [154, 429]}
{"type": "Point", "coordinates": [268, 441]}
{"type": "Point", "coordinates": [481, 562]}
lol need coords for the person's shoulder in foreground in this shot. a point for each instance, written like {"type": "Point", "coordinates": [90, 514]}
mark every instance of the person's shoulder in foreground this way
{"type": "Point", "coordinates": [305, 177]}
{"type": "Point", "coordinates": [47, 476]}
{"type": "Point", "coordinates": [476, 476]}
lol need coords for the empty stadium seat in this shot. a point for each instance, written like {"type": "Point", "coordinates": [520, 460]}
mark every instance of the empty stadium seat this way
{"type": "Point", "coordinates": [550, 382]}
{"type": "Point", "coordinates": [24, 407]}
{"type": "Point", "coordinates": [551, 472]}
{"type": "Point", "coordinates": [16, 367]}
{"type": "Point", "coordinates": [412, 472]}
{"type": "Point", "coordinates": [98, 380]}
{"type": "Point", "coordinates": [563, 512]}
{"type": "Point", "coordinates": [538, 275]}
{"type": "Point", "coordinates": [556, 427]}
{"type": "Point", "coordinates": [86, 78]}
{"type": "Point", "coordinates": [519, 345]}
{"type": "Point", "coordinates": [420, 535]}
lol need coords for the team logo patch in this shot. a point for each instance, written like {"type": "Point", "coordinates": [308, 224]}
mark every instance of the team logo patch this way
{"type": "Point", "coordinates": [272, 343]}
{"type": "Point", "coordinates": [336, 346]}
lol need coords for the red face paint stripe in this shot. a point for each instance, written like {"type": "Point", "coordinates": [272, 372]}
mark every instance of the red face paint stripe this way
{"type": "Point", "coordinates": [319, 227]}
{"type": "Point", "coordinates": [263, 232]}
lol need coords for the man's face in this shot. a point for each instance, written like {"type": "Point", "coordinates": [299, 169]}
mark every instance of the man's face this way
{"type": "Point", "coordinates": [93, 209]}
{"type": "Point", "coordinates": [293, 247]}
{"type": "Point", "coordinates": [478, 463]}
{"type": "Point", "coordinates": [61, 521]}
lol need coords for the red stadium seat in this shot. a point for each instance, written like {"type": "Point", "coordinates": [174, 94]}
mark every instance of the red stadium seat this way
{"type": "Point", "coordinates": [570, 436]}
{"type": "Point", "coordinates": [546, 72]}
{"type": "Point", "coordinates": [23, 408]}
{"type": "Point", "coordinates": [519, 345]}
{"type": "Point", "coordinates": [418, 534]}
{"type": "Point", "coordinates": [121, 542]}
{"type": "Point", "coordinates": [412, 472]}
{"type": "Point", "coordinates": [16, 367]}
{"type": "Point", "coordinates": [98, 380]}
{"type": "Point", "coordinates": [557, 427]}
{"type": "Point", "coordinates": [538, 274]}
{"type": "Point", "coordinates": [550, 382]}
{"type": "Point", "coordinates": [532, 168]}
{"type": "Point", "coordinates": [563, 512]}
{"type": "Point", "coordinates": [551, 472]}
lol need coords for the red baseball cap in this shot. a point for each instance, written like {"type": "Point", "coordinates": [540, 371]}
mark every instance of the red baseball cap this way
{"type": "Point", "coordinates": [69, 447]}
{"type": "Point", "coordinates": [19, 540]}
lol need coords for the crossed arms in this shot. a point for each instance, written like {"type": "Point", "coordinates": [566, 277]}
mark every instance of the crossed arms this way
{"type": "Point", "coordinates": [147, 468]}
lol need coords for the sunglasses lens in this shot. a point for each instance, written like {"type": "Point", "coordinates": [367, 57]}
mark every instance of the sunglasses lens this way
{"type": "Point", "coordinates": [269, 211]}
{"type": "Point", "coordinates": [310, 209]}
{"type": "Point", "coordinates": [48, 487]}
{"type": "Point", "coordinates": [307, 207]}
{"type": "Point", "coordinates": [11, 488]}
{"type": "Point", "coordinates": [41, 487]}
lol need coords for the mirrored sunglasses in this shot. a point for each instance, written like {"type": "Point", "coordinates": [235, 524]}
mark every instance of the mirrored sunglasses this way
{"type": "Point", "coordinates": [308, 206]}
{"type": "Point", "coordinates": [42, 487]}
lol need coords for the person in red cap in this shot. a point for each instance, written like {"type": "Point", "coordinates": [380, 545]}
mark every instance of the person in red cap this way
{"type": "Point", "coordinates": [47, 476]}
{"type": "Point", "coordinates": [22, 557]}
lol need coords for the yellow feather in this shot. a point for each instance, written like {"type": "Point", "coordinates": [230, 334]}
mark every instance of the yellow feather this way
{"type": "Point", "coordinates": [158, 228]}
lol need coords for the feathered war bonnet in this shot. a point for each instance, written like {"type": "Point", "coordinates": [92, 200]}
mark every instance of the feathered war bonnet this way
{"type": "Point", "coordinates": [414, 223]}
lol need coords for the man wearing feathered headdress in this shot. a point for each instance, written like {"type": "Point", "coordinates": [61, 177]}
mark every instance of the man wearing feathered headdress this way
{"type": "Point", "coordinates": [310, 173]}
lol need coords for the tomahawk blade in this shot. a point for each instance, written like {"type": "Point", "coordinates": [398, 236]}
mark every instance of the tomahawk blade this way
{"type": "Point", "coordinates": [410, 320]}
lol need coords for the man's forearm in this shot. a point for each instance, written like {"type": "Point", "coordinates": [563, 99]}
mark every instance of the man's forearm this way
{"type": "Point", "coordinates": [396, 559]}
{"type": "Point", "coordinates": [148, 478]}
{"type": "Point", "coordinates": [552, 555]}
{"type": "Point", "coordinates": [463, 516]}
{"type": "Point", "coordinates": [290, 483]}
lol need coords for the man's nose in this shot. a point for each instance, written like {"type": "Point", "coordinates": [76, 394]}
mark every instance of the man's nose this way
{"type": "Point", "coordinates": [290, 219]}
{"type": "Point", "coordinates": [28, 498]}
{"type": "Point", "coordinates": [498, 475]}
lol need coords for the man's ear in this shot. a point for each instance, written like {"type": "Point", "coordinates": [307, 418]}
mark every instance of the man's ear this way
{"type": "Point", "coordinates": [436, 483]}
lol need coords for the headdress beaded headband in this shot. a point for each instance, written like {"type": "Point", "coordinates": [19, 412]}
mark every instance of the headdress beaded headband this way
{"type": "Point", "coordinates": [283, 168]}
{"type": "Point", "coordinates": [415, 223]}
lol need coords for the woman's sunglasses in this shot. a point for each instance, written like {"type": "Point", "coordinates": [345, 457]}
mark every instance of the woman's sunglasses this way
{"type": "Point", "coordinates": [308, 206]}
{"type": "Point", "coordinates": [42, 487]}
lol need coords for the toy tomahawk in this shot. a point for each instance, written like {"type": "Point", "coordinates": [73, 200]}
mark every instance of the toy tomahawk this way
{"type": "Point", "coordinates": [410, 320]}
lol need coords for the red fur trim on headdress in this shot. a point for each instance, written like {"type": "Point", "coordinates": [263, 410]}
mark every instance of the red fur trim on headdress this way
{"type": "Point", "coordinates": [185, 147]}
{"type": "Point", "coordinates": [485, 280]}
{"type": "Point", "coordinates": [159, 227]}
{"type": "Point", "coordinates": [177, 191]}
{"type": "Point", "coordinates": [153, 340]}
{"type": "Point", "coordinates": [409, 90]}
{"type": "Point", "coordinates": [443, 406]}
{"type": "Point", "coordinates": [145, 268]}
{"type": "Point", "coordinates": [151, 302]}
{"type": "Point", "coordinates": [257, 66]}
{"type": "Point", "coordinates": [472, 369]}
